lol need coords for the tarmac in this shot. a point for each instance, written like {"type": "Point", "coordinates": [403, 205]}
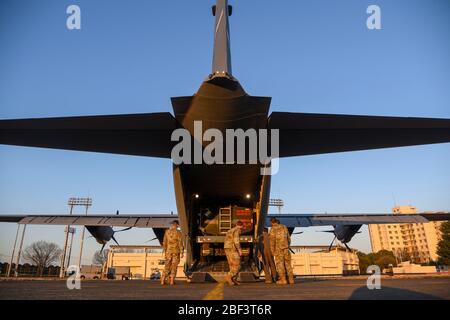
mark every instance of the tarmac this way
{"type": "Point", "coordinates": [347, 288]}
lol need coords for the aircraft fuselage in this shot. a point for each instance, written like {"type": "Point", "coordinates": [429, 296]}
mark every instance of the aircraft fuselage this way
{"type": "Point", "coordinates": [202, 189]}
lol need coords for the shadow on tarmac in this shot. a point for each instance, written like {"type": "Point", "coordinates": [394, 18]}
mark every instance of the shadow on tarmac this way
{"type": "Point", "coordinates": [390, 293]}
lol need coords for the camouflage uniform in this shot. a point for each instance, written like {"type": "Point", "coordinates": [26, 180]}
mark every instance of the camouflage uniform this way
{"type": "Point", "coordinates": [267, 257]}
{"type": "Point", "coordinates": [173, 247]}
{"type": "Point", "coordinates": [232, 247]}
{"type": "Point", "coordinates": [280, 240]}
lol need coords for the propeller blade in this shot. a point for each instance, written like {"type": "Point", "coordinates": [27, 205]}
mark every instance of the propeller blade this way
{"type": "Point", "coordinates": [123, 230]}
{"type": "Point", "coordinates": [151, 239]}
{"type": "Point", "coordinates": [115, 240]}
{"type": "Point", "coordinates": [331, 244]}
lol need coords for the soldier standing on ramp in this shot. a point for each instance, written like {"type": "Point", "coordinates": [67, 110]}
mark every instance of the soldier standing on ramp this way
{"type": "Point", "coordinates": [279, 245]}
{"type": "Point", "coordinates": [173, 249]}
{"type": "Point", "coordinates": [233, 251]}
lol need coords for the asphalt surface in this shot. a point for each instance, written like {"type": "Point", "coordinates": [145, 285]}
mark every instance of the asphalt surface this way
{"type": "Point", "coordinates": [415, 288]}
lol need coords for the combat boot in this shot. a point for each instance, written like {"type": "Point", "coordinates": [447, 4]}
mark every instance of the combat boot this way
{"type": "Point", "coordinates": [229, 280]}
{"type": "Point", "coordinates": [171, 281]}
{"type": "Point", "coordinates": [268, 280]}
{"type": "Point", "coordinates": [291, 279]}
{"type": "Point", "coordinates": [163, 280]}
{"type": "Point", "coordinates": [282, 280]}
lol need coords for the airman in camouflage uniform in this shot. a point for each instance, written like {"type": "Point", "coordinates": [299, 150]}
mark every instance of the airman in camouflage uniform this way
{"type": "Point", "coordinates": [280, 240]}
{"type": "Point", "coordinates": [233, 252]}
{"type": "Point", "coordinates": [267, 257]}
{"type": "Point", "coordinates": [173, 249]}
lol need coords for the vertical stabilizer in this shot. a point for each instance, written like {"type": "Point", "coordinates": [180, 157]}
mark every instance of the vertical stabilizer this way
{"type": "Point", "coordinates": [222, 55]}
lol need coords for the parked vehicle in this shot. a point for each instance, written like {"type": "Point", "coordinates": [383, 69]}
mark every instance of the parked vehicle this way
{"type": "Point", "coordinates": [91, 272]}
{"type": "Point", "coordinates": [122, 273]}
{"type": "Point", "coordinates": [156, 275]}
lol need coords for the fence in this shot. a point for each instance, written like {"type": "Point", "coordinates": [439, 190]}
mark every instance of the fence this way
{"type": "Point", "coordinates": [28, 270]}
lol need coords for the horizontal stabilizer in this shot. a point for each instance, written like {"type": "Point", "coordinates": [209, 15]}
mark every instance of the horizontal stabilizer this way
{"type": "Point", "coordinates": [145, 134]}
{"type": "Point", "coordinates": [308, 133]}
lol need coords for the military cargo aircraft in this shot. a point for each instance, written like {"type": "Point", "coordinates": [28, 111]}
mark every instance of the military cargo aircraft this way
{"type": "Point", "coordinates": [210, 198]}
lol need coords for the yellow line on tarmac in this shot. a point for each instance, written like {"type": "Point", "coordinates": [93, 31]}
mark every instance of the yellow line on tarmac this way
{"type": "Point", "coordinates": [216, 293]}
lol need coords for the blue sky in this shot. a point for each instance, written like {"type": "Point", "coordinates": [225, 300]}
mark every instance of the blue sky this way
{"type": "Point", "coordinates": [309, 55]}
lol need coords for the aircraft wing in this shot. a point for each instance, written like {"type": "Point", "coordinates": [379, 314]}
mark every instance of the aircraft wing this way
{"type": "Point", "coordinates": [134, 221]}
{"type": "Point", "coordinates": [308, 133]}
{"type": "Point", "coordinates": [163, 220]}
{"type": "Point", "coordinates": [311, 220]}
{"type": "Point", "coordinates": [145, 134]}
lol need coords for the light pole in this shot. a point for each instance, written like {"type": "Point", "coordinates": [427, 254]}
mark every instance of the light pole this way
{"type": "Point", "coordinates": [16, 269]}
{"type": "Point", "coordinates": [88, 203]}
{"type": "Point", "coordinates": [8, 273]}
{"type": "Point", "coordinates": [72, 203]}
{"type": "Point", "coordinates": [276, 203]}
{"type": "Point", "coordinates": [72, 231]}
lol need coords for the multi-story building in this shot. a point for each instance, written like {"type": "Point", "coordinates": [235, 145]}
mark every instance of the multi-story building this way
{"type": "Point", "coordinates": [318, 261]}
{"type": "Point", "coordinates": [416, 242]}
{"type": "Point", "coordinates": [143, 261]}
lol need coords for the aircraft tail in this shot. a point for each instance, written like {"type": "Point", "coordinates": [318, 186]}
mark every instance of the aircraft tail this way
{"type": "Point", "coordinates": [222, 55]}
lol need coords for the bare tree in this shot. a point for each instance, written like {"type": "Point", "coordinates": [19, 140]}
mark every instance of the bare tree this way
{"type": "Point", "coordinates": [100, 257]}
{"type": "Point", "coordinates": [405, 255]}
{"type": "Point", "coordinates": [42, 254]}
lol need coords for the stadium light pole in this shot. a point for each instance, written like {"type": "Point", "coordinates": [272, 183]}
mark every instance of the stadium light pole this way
{"type": "Point", "coordinates": [72, 231]}
{"type": "Point", "coordinates": [72, 203]}
{"type": "Point", "coordinates": [276, 203]}
{"type": "Point", "coordinates": [8, 273]}
{"type": "Point", "coordinates": [16, 269]}
{"type": "Point", "coordinates": [88, 204]}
